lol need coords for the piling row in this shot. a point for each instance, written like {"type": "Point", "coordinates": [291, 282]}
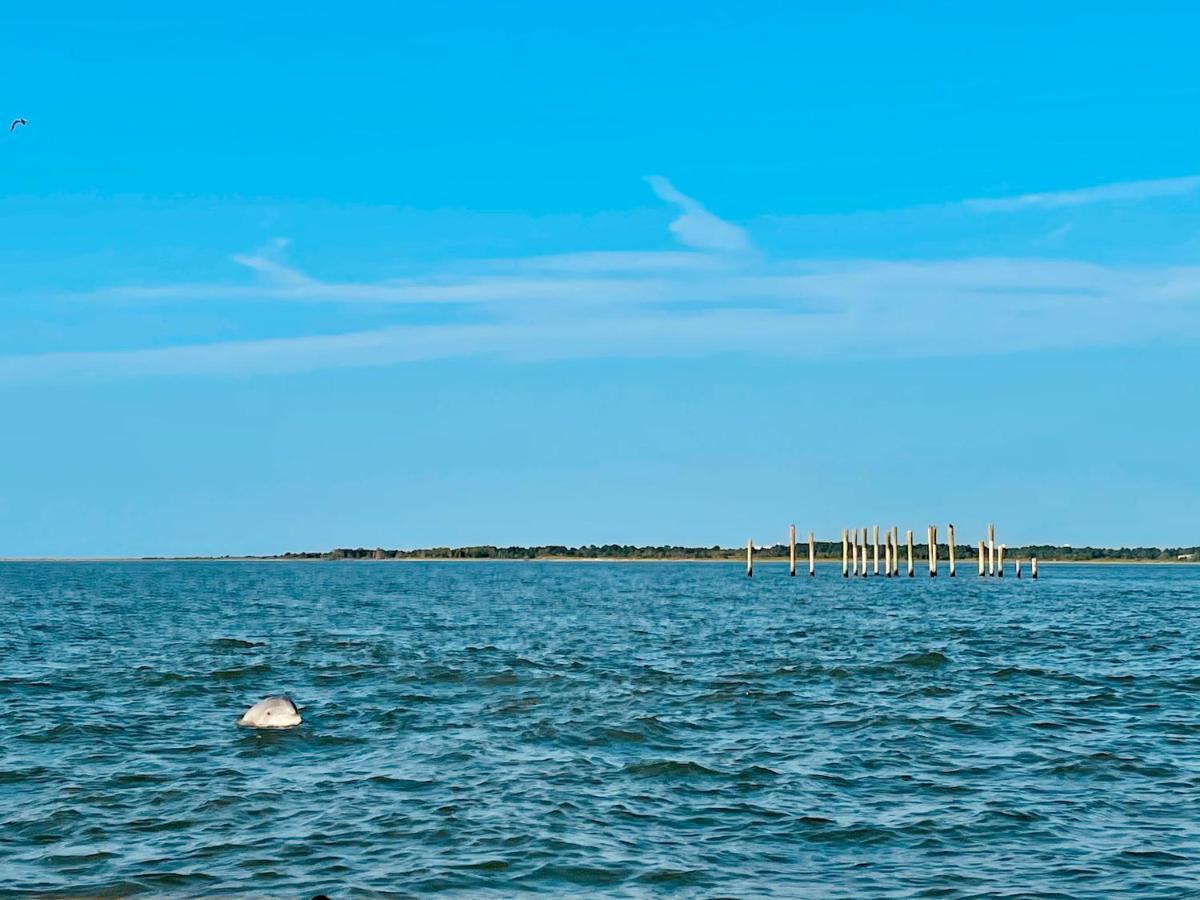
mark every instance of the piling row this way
{"type": "Point", "coordinates": [855, 544]}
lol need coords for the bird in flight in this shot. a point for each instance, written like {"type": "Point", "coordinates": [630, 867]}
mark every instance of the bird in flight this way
{"type": "Point", "coordinates": [15, 123]}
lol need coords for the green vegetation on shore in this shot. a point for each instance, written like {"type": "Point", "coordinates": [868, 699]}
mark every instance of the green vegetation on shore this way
{"type": "Point", "coordinates": [825, 550]}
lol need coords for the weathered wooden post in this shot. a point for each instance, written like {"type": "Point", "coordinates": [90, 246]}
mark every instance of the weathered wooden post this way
{"type": "Point", "coordinates": [750, 558]}
{"type": "Point", "coordinates": [875, 548]}
{"type": "Point", "coordinates": [854, 552]}
{"type": "Point", "coordinates": [1018, 567]}
{"type": "Point", "coordinates": [982, 561]}
{"type": "Point", "coordinates": [991, 549]}
{"type": "Point", "coordinates": [1033, 567]}
{"type": "Point", "coordinates": [845, 553]}
{"type": "Point", "coordinates": [933, 551]}
{"type": "Point", "coordinates": [887, 555]}
{"type": "Point", "coordinates": [792, 551]}
{"type": "Point", "coordinates": [1000, 561]}
{"type": "Point", "coordinates": [950, 541]}
{"type": "Point", "coordinates": [910, 564]}
{"type": "Point", "coordinates": [864, 571]}
{"type": "Point", "coordinates": [812, 554]}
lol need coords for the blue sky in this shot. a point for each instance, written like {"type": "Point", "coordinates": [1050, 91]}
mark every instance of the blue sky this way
{"type": "Point", "coordinates": [305, 276]}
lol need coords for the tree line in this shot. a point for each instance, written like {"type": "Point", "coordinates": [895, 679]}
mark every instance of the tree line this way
{"type": "Point", "coordinates": [825, 550]}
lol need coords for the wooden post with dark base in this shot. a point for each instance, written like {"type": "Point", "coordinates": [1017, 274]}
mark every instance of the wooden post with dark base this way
{"type": "Point", "coordinates": [792, 551]}
{"type": "Point", "coordinates": [910, 553]}
{"type": "Point", "coordinates": [750, 558]}
{"type": "Point", "coordinates": [812, 555]}
{"type": "Point", "coordinates": [950, 541]}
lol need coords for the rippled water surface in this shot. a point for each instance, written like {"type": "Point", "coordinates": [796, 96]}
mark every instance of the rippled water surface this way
{"type": "Point", "coordinates": [598, 729]}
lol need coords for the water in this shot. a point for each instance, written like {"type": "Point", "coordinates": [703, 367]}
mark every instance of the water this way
{"type": "Point", "coordinates": [598, 729]}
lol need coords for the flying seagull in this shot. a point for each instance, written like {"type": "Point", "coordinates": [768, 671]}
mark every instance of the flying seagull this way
{"type": "Point", "coordinates": [15, 123]}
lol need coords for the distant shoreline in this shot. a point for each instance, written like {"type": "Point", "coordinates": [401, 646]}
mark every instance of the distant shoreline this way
{"type": "Point", "coordinates": [801, 562]}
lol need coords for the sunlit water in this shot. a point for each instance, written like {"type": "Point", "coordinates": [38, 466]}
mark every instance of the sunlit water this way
{"type": "Point", "coordinates": [598, 729]}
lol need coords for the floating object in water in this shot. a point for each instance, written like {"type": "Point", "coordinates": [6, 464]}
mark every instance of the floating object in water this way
{"type": "Point", "coordinates": [272, 712]}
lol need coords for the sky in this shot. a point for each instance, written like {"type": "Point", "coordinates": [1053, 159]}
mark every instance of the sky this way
{"type": "Point", "coordinates": [296, 276]}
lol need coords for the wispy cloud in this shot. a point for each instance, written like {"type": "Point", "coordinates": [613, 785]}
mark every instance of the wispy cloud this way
{"type": "Point", "coordinates": [696, 226]}
{"type": "Point", "coordinates": [1103, 193]}
{"type": "Point", "coordinates": [671, 303]}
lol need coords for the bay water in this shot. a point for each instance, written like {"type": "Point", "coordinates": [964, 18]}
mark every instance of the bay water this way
{"type": "Point", "coordinates": [598, 729]}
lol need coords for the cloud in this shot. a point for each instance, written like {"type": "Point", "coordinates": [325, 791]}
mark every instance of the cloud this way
{"type": "Point", "coordinates": [666, 304]}
{"type": "Point", "coordinates": [697, 227]}
{"type": "Point", "coordinates": [1118, 191]}
{"type": "Point", "coordinates": [805, 310]}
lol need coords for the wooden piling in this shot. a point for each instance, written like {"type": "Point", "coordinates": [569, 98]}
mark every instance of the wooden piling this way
{"type": "Point", "coordinates": [1018, 561]}
{"type": "Point", "coordinates": [991, 549]}
{"type": "Point", "coordinates": [750, 558]}
{"type": "Point", "coordinates": [854, 552]}
{"type": "Point", "coordinates": [1000, 561]}
{"type": "Point", "coordinates": [792, 551]}
{"type": "Point", "coordinates": [895, 551]}
{"type": "Point", "coordinates": [845, 553]}
{"type": "Point", "coordinates": [910, 551]}
{"type": "Point", "coordinates": [933, 551]}
{"type": "Point", "coordinates": [812, 554]}
{"type": "Point", "coordinates": [863, 567]}
{"type": "Point", "coordinates": [982, 561]}
{"type": "Point", "coordinates": [950, 542]}
{"type": "Point", "coordinates": [888, 559]}
{"type": "Point", "coordinates": [875, 548]}
{"type": "Point", "coordinates": [1033, 567]}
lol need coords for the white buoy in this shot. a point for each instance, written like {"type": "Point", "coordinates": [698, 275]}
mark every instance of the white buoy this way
{"type": "Point", "coordinates": [272, 712]}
